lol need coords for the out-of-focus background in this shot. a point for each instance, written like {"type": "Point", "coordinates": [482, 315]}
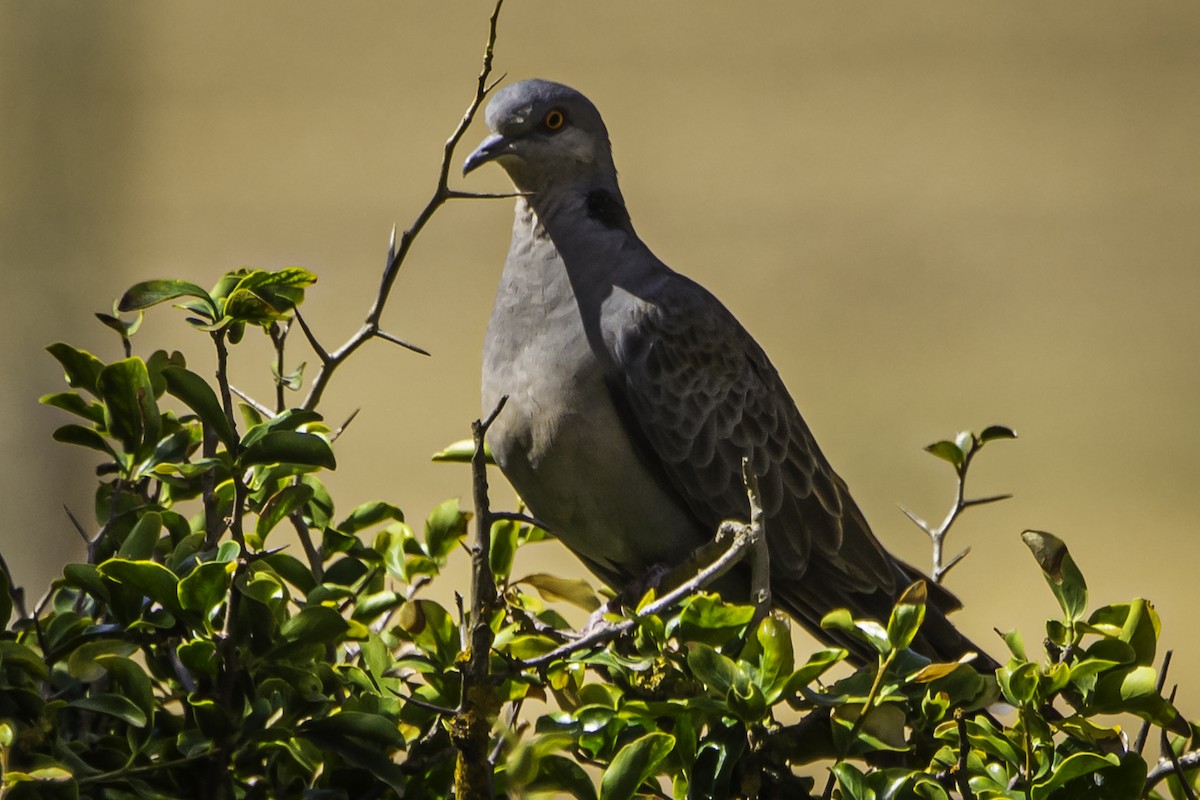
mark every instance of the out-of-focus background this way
{"type": "Point", "coordinates": [933, 216]}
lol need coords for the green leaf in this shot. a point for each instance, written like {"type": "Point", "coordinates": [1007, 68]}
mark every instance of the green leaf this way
{"type": "Point", "coordinates": [205, 587]}
{"type": "Point", "coordinates": [1071, 767]}
{"type": "Point", "coordinates": [315, 624]}
{"type": "Point", "coordinates": [199, 656]}
{"type": "Point", "coordinates": [371, 728]}
{"type": "Point", "coordinates": [149, 293]}
{"type": "Point", "coordinates": [1060, 571]}
{"type": "Point", "coordinates": [994, 432]}
{"type": "Point", "coordinates": [81, 367]}
{"type": "Point", "coordinates": [82, 664]}
{"type": "Point", "coordinates": [279, 507]}
{"type": "Point", "coordinates": [634, 764]}
{"type": "Point", "coordinates": [907, 616]}
{"type": "Point", "coordinates": [502, 547]}
{"type": "Point", "coordinates": [445, 528]}
{"type": "Point", "coordinates": [462, 452]}
{"type": "Point", "coordinates": [368, 514]}
{"type": "Point", "coordinates": [132, 680]}
{"type": "Point", "coordinates": [130, 412]}
{"type": "Point", "coordinates": [261, 297]}
{"type": "Point", "coordinates": [706, 618]}
{"type": "Point", "coordinates": [73, 403]}
{"type": "Point", "coordinates": [852, 782]}
{"type": "Point", "coordinates": [865, 630]}
{"type": "Point", "coordinates": [948, 451]}
{"type": "Point", "coordinates": [575, 591]}
{"type": "Point", "coordinates": [114, 705]}
{"type": "Point", "coordinates": [84, 437]}
{"type": "Point", "coordinates": [774, 638]}
{"type": "Point", "coordinates": [290, 447]}
{"type": "Point", "coordinates": [150, 578]}
{"type": "Point", "coordinates": [140, 542]}
{"type": "Point", "coordinates": [716, 671]}
{"type": "Point", "coordinates": [200, 398]}
{"type": "Point", "coordinates": [559, 774]}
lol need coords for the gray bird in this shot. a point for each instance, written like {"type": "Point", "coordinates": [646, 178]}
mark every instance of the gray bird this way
{"type": "Point", "coordinates": [634, 394]}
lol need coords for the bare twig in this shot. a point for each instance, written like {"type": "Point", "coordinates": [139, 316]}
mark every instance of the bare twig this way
{"type": "Point", "coordinates": [333, 437]}
{"type": "Point", "coordinates": [387, 337]}
{"type": "Point", "coordinates": [398, 251]}
{"type": "Point", "coordinates": [261, 408]}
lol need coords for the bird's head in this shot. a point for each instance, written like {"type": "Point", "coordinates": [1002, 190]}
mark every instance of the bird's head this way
{"type": "Point", "coordinates": [546, 136]}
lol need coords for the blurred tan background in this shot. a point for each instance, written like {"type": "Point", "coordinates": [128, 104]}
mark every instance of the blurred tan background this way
{"type": "Point", "coordinates": [933, 215]}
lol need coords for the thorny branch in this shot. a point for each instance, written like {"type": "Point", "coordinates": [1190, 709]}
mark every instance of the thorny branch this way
{"type": "Point", "coordinates": [398, 251]}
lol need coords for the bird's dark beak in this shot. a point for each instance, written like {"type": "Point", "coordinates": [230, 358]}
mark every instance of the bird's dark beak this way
{"type": "Point", "coordinates": [491, 148]}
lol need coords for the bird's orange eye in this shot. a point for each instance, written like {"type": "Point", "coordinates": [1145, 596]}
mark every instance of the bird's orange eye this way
{"type": "Point", "coordinates": [554, 120]}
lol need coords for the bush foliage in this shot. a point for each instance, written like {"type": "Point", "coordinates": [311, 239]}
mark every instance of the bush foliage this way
{"type": "Point", "coordinates": [202, 651]}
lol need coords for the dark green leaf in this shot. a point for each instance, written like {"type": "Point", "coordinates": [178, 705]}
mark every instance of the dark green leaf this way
{"type": "Point", "coordinates": [140, 542]}
{"type": "Point", "coordinates": [993, 432]}
{"type": "Point", "coordinates": [131, 413]}
{"type": "Point", "coordinates": [633, 764]}
{"type": "Point", "coordinates": [559, 774]}
{"type": "Point", "coordinates": [149, 293]}
{"type": "Point", "coordinates": [75, 404]}
{"type": "Point", "coordinates": [205, 587]}
{"type": "Point", "coordinates": [132, 680]}
{"type": "Point", "coordinates": [150, 578]}
{"type": "Point", "coordinates": [200, 398]}
{"type": "Point", "coordinates": [372, 728]}
{"type": "Point", "coordinates": [315, 624]}
{"type": "Point", "coordinates": [279, 507]}
{"type": "Point", "coordinates": [290, 447]}
{"type": "Point", "coordinates": [368, 514]}
{"type": "Point", "coordinates": [445, 528]}
{"type": "Point", "coordinates": [84, 437]}
{"type": "Point", "coordinates": [1071, 767]}
{"type": "Point", "coordinates": [82, 368]}
{"type": "Point", "coordinates": [199, 656]}
{"type": "Point", "coordinates": [113, 705]}
{"type": "Point", "coordinates": [503, 547]}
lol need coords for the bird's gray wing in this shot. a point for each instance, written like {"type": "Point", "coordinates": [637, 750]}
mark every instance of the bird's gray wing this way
{"type": "Point", "coordinates": [704, 395]}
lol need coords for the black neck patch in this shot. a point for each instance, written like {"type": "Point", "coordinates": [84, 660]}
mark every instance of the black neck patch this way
{"type": "Point", "coordinates": [606, 209]}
